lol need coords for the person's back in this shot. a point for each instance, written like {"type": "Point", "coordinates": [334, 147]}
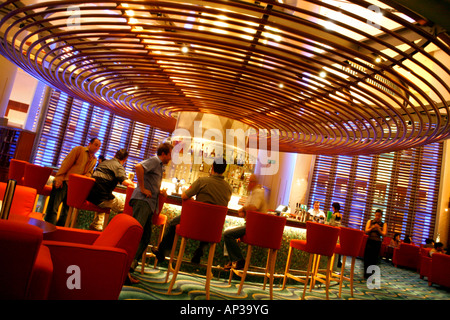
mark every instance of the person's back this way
{"type": "Point", "coordinates": [213, 190]}
{"type": "Point", "coordinates": [107, 175]}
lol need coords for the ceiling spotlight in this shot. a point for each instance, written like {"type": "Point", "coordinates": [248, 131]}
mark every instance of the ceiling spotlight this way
{"type": "Point", "coordinates": [184, 49]}
{"type": "Point", "coordinates": [281, 86]}
{"type": "Point", "coordinates": [323, 74]}
{"type": "Point", "coordinates": [378, 60]}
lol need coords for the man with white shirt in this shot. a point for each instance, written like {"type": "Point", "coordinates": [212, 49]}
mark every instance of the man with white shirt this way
{"type": "Point", "coordinates": [315, 213]}
{"type": "Point", "coordinates": [255, 202]}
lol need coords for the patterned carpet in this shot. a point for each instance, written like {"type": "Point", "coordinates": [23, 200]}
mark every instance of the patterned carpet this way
{"type": "Point", "coordinates": [395, 284]}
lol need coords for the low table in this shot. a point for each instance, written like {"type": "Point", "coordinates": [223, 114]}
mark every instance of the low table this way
{"type": "Point", "coordinates": [46, 227]}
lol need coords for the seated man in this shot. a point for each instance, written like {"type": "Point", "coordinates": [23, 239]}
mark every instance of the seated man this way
{"type": "Point", "coordinates": [438, 247]}
{"type": "Point", "coordinates": [255, 202]}
{"type": "Point", "coordinates": [107, 175]}
{"type": "Point", "coordinates": [214, 190]}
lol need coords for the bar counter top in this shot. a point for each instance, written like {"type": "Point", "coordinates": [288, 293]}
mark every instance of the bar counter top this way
{"type": "Point", "coordinates": [175, 199]}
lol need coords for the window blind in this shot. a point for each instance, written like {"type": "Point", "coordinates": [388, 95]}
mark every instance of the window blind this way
{"type": "Point", "coordinates": [71, 122]}
{"type": "Point", "coordinates": [404, 184]}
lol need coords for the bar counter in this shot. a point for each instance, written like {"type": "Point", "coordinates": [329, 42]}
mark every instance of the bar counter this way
{"type": "Point", "coordinates": [175, 199]}
{"type": "Point", "coordinates": [172, 208]}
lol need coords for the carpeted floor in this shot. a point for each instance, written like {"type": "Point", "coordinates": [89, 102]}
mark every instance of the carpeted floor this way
{"type": "Point", "coordinates": [395, 284]}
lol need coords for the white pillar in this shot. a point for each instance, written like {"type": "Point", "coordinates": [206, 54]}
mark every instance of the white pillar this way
{"type": "Point", "coordinates": [7, 77]}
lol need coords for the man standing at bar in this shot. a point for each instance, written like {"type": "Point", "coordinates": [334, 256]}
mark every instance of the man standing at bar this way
{"type": "Point", "coordinates": [80, 160]}
{"type": "Point", "coordinates": [213, 190]}
{"type": "Point", "coordinates": [107, 175]}
{"type": "Point", "coordinates": [144, 200]}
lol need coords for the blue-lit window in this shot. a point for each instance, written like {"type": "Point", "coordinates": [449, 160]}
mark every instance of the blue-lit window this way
{"type": "Point", "coordinates": [404, 184]}
{"type": "Point", "coordinates": [71, 122]}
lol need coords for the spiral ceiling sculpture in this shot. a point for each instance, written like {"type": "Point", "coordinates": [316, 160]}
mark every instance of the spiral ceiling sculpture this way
{"type": "Point", "coordinates": [334, 77]}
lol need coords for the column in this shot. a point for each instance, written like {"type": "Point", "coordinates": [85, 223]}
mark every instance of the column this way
{"type": "Point", "coordinates": [7, 77]}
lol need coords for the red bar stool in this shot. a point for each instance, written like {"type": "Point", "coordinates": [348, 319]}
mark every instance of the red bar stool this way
{"type": "Point", "coordinates": [16, 170]}
{"type": "Point", "coordinates": [36, 177]}
{"type": "Point", "coordinates": [78, 189]}
{"type": "Point", "coordinates": [158, 220]}
{"type": "Point", "coordinates": [350, 241]}
{"type": "Point", "coordinates": [199, 221]}
{"type": "Point", "coordinates": [265, 231]}
{"type": "Point", "coordinates": [127, 209]}
{"type": "Point", "coordinates": [320, 241]}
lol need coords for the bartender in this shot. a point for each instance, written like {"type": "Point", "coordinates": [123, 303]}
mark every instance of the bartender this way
{"type": "Point", "coordinates": [315, 213]}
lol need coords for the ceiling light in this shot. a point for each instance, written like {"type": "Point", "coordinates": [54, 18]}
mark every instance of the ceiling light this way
{"type": "Point", "coordinates": [281, 86]}
{"type": "Point", "coordinates": [184, 49]}
{"type": "Point", "coordinates": [323, 74]}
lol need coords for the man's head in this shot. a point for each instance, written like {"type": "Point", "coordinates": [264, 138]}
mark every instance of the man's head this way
{"type": "Point", "coordinates": [252, 181]}
{"type": "Point", "coordinates": [219, 165]}
{"type": "Point", "coordinates": [164, 152]}
{"type": "Point", "coordinates": [378, 214]}
{"type": "Point", "coordinates": [94, 145]}
{"type": "Point", "coordinates": [121, 155]}
{"type": "Point", "coordinates": [316, 205]}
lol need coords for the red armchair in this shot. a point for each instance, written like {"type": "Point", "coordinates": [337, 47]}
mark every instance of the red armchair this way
{"type": "Point", "coordinates": [26, 266]}
{"type": "Point", "coordinates": [384, 247]}
{"type": "Point", "coordinates": [23, 201]}
{"type": "Point", "coordinates": [439, 270]}
{"type": "Point", "coordinates": [425, 263]}
{"type": "Point", "coordinates": [407, 255]}
{"type": "Point", "coordinates": [92, 265]}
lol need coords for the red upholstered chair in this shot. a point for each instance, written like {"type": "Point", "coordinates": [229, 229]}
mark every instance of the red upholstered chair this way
{"type": "Point", "coordinates": [199, 221]}
{"type": "Point", "coordinates": [158, 220]}
{"type": "Point", "coordinates": [384, 246]}
{"type": "Point", "coordinates": [350, 241]}
{"type": "Point", "coordinates": [265, 231]}
{"type": "Point", "coordinates": [440, 266]}
{"type": "Point", "coordinates": [320, 240]}
{"type": "Point", "coordinates": [78, 189]}
{"type": "Point", "coordinates": [407, 255]}
{"type": "Point", "coordinates": [16, 170]}
{"type": "Point", "coordinates": [99, 264]}
{"type": "Point", "coordinates": [363, 246]}
{"type": "Point", "coordinates": [425, 263]}
{"type": "Point", "coordinates": [127, 209]}
{"type": "Point", "coordinates": [23, 201]}
{"type": "Point", "coordinates": [36, 177]}
{"type": "Point", "coordinates": [26, 266]}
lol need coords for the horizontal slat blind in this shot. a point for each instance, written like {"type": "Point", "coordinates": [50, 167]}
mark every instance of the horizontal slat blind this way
{"type": "Point", "coordinates": [404, 184]}
{"type": "Point", "coordinates": [76, 129]}
{"type": "Point", "coordinates": [53, 129]}
{"type": "Point", "coordinates": [71, 122]}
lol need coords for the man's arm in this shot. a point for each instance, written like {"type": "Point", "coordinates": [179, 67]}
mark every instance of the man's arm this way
{"type": "Point", "coordinates": [193, 190]}
{"type": "Point", "coordinates": [140, 178]}
{"type": "Point", "coordinates": [127, 183]}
